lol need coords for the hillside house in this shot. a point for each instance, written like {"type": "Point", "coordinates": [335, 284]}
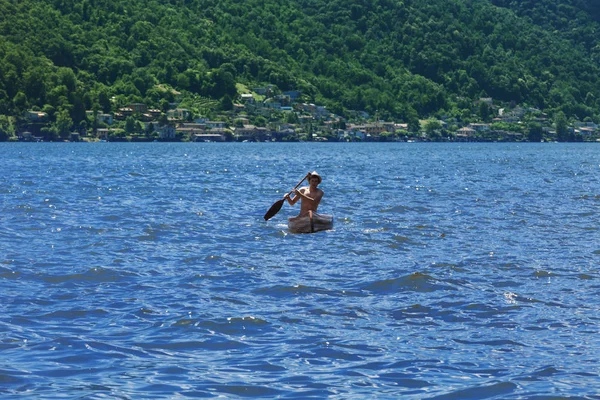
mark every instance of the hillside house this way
{"type": "Point", "coordinates": [166, 132]}
{"type": "Point", "coordinates": [480, 127]}
{"type": "Point", "coordinates": [284, 127]}
{"type": "Point", "coordinates": [466, 132]}
{"type": "Point", "coordinates": [36, 116]}
{"type": "Point", "coordinates": [104, 133]}
{"type": "Point", "coordinates": [178, 114]}
{"type": "Point", "coordinates": [314, 110]}
{"type": "Point", "coordinates": [155, 112]}
{"type": "Point", "coordinates": [292, 94]}
{"type": "Point", "coordinates": [246, 132]}
{"type": "Point", "coordinates": [126, 111]}
{"type": "Point", "coordinates": [283, 99]}
{"type": "Point", "coordinates": [100, 117]}
{"type": "Point", "coordinates": [251, 132]}
{"type": "Point", "coordinates": [373, 129]}
{"type": "Point", "coordinates": [275, 105]}
{"type": "Point", "coordinates": [216, 124]}
{"type": "Point", "coordinates": [190, 130]}
{"type": "Point", "coordinates": [247, 98]}
{"type": "Point", "coordinates": [588, 125]}
{"type": "Point", "coordinates": [263, 91]}
{"type": "Point", "coordinates": [215, 135]}
{"type": "Point", "coordinates": [514, 115]}
{"type": "Point", "coordinates": [352, 134]}
{"type": "Point", "coordinates": [150, 115]}
{"type": "Point", "coordinates": [196, 125]}
{"type": "Point", "coordinates": [138, 108]}
{"type": "Point", "coordinates": [105, 118]}
{"type": "Point", "coordinates": [29, 137]}
{"type": "Point", "coordinates": [586, 131]}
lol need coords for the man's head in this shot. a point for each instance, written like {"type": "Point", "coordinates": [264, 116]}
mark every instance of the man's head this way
{"type": "Point", "coordinates": [314, 176]}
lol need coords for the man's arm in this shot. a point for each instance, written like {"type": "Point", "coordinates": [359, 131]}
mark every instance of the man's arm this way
{"type": "Point", "coordinates": [290, 200]}
{"type": "Point", "coordinates": [300, 193]}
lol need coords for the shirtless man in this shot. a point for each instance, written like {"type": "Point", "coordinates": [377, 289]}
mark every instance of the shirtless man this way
{"type": "Point", "coordinates": [311, 196]}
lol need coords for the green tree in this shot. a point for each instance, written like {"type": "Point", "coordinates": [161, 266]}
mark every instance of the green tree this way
{"type": "Point", "coordinates": [7, 128]}
{"type": "Point", "coordinates": [433, 129]}
{"type": "Point", "coordinates": [67, 77]}
{"type": "Point", "coordinates": [163, 120]}
{"type": "Point", "coordinates": [485, 113]}
{"type": "Point", "coordinates": [63, 123]}
{"type": "Point", "coordinates": [129, 125]}
{"type": "Point", "coordinates": [535, 132]}
{"type": "Point", "coordinates": [20, 102]}
{"type": "Point", "coordinates": [260, 121]}
{"type": "Point", "coordinates": [83, 127]}
{"type": "Point", "coordinates": [223, 83]}
{"type": "Point", "coordinates": [561, 126]}
{"type": "Point", "coordinates": [227, 103]}
{"type": "Point", "coordinates": [164, 105]}
{"type": "Point", "coordinates": [104, 101]}
{"type": "Point", "coordinates": [149, 129]}
{"type": "Point", "coordinates": [228, 135]}
{"type": "Point", "coordinates": [35, 84]}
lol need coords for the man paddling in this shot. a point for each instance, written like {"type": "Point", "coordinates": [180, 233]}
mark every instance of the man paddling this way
{"type": "Point", "coordinates": [311, 196]}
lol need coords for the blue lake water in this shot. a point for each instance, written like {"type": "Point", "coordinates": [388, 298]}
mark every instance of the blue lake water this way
{"type": "Point", "coordinates": [454, 271]}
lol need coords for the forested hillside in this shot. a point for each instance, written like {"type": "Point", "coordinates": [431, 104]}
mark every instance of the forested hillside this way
{"type": "Point", "coordinates": [407, 59]}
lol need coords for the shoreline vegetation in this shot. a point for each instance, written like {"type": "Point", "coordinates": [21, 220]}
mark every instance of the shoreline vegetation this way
{"type": "Point", "coordinates": [282, 119]}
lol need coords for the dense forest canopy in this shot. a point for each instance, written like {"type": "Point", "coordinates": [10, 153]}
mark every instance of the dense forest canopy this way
{"type": "Point", "coordinates": [407, 59]}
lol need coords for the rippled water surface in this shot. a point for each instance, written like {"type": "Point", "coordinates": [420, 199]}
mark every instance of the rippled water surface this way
{"type": "Point", "coordinates": [139, 271]}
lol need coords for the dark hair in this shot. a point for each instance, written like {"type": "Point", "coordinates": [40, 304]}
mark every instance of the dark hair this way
{"type": "Point", "coordinates": [310, 176]}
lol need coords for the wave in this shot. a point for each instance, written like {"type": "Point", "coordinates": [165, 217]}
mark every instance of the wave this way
{"type": "Point", "coordinates": [416, 282]}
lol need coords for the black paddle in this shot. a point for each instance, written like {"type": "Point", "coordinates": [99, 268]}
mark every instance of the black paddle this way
{"type": "Point", "coordinates": [279, 203]}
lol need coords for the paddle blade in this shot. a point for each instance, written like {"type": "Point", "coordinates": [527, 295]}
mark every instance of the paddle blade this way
{"type": "Point", "coordinates": [274, 209]}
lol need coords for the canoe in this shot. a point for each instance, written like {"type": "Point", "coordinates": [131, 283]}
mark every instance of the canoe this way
{"type": "Point", "coordinates": [312, 222]}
